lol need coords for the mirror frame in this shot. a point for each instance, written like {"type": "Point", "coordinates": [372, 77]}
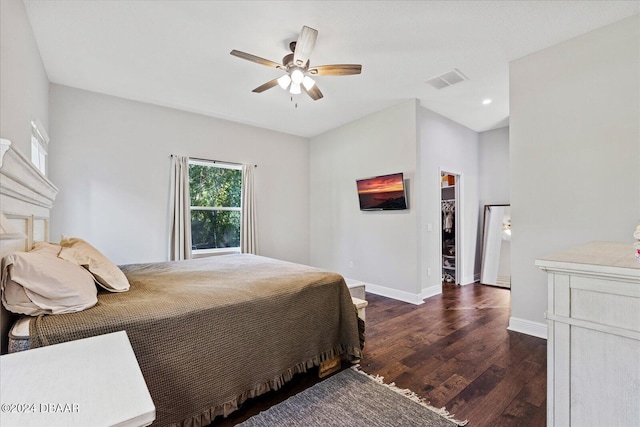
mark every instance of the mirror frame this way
{"type": "Point", "coordinates": [482, 242]}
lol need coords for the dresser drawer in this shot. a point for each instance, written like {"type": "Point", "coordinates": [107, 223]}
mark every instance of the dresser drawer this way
{"type": "Point", "coordinates": [606, 302]}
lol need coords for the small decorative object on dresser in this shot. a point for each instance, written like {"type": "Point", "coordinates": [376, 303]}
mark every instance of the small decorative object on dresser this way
{"type": "Point", "coordinates": [593, 347]}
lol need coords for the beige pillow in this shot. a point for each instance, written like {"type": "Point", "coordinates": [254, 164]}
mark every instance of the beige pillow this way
{"type": "Point", "coordinates": [107, 274]}
{"type": "Point", "coordinates": [37, 283]}
{"type": "Point", "coordinates": [46, 247]}
{"type": "Point", "coordinates": [15, 299]}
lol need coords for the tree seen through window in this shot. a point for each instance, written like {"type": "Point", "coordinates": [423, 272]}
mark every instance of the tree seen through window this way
{"type": "Point", "coordinates": [215, 206]}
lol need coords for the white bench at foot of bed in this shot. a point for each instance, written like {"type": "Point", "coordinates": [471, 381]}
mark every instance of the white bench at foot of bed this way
{"type": "Point", "coordinates": [356, 288]}
{"type": "Point", "coordinates": [360, 306]}
{"type": "Point", "coordinates": [357, 291]}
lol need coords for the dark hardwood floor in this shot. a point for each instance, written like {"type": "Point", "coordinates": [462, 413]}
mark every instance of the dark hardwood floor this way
{"type": "Point", "coordinates": [454, 351]}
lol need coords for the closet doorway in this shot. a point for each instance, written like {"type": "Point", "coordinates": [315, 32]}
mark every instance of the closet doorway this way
{"type": "Point", "coordinates": [450, 184]}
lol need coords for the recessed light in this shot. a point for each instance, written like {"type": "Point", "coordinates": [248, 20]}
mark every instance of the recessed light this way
{"type": "Point", "coordinates": [486, 101]}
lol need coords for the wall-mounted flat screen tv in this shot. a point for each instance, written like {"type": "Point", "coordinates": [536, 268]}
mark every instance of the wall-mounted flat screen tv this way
{"type": "Point", "coordinates": [380, 193]}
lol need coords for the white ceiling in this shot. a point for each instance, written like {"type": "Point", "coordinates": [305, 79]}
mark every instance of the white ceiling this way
{"type": "Point", "coordinates": [176, 53]}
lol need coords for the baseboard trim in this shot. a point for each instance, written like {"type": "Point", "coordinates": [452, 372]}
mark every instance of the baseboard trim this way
{"type": "Point", "coordinates": [466, 280]}
{"type": "Point", "coordinates": [528, 327]}
{"type": "Point", "coordinates": [395, 294]}
{"type": "Point", "coordinates": [431, 291]}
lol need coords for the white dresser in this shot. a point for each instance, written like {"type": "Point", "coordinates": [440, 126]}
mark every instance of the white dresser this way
{"type": "Point", "coordinates": [593, 347]}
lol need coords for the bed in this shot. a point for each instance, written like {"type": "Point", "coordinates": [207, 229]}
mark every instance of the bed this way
{"type": "Point", "coordinates": [210, 333]}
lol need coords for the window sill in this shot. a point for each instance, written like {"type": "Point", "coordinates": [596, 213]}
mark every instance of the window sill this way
{"type": "Point", "coordinates": [202, 253]}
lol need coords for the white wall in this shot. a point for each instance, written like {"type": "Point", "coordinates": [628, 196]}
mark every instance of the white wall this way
{"type": "Point", "coordinates": [382, 246]}
{"type": "Point", "coordinates": [495, 185]}
{"type": "Point", "coordinates": [448, 146]}
{"type": "Point", "coordinates": [575, 154]}
{"type": "Point", "coordinates": [392, 252]}
{"type": "Point", "coordinates": [111, 163]}
{"type": "Point", "coordinates": [494, 167]}
{"type": "Point", "coordinates": [24, 86]}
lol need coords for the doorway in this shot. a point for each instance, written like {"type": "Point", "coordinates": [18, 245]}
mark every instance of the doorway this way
{"type": "Point", "coordinates": [450, 226]}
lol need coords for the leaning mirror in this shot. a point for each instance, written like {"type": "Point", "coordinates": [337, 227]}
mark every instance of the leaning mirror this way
{"type": "Point", "coordinates": [496, 246]}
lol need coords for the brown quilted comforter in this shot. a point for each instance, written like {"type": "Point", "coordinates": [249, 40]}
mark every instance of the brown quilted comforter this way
{"type": "Point", "coordinates": [209, 333]}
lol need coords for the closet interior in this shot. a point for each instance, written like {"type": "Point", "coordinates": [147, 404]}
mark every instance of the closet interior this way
{"type": "Point", "coordinates": [448, 200]}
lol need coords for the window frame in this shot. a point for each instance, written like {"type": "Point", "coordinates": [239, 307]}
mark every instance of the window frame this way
{"type": "Point", "coordinates": [222, 165]}
{"type": "Point", "coordinates": [39, 143]}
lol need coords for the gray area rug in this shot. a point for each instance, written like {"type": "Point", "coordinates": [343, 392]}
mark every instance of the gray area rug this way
{"type": "Point", "coordinates": [353, 398]}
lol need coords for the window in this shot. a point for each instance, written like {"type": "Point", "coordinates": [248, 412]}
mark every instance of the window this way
{"type": "Point", "coordinates": [215, 205]}
{"type": "Point", "coordinates": [39, 140]}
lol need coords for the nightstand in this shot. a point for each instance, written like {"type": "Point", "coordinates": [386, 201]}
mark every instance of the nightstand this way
{"type": "Point", "coordinates": [89, 382]}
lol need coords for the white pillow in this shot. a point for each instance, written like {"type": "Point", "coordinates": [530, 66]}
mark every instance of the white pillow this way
{"type": "Point", "coordinates": [37, 283]}
{"type": "Point", "coordinates": [107, 274]}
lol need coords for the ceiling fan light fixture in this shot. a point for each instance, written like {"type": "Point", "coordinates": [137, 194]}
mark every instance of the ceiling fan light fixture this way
{"type": "Point", "coordinates": [295, 88]}
{"type": "Point", "coordinates": [284, 81]}
{"type": "Point", "coordinates": [296, 66]}
{"type": "Point", "coordinates": [308, 82]}
{"type": "Point", "coordinates": [297, 76]}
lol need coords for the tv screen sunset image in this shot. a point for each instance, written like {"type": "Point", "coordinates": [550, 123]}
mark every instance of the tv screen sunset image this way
{"type": "Point", "coordinates": [382, 192]}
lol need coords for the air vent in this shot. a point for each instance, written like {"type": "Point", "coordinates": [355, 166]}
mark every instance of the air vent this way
{"type": "Point", "coordinates": [447, 79]}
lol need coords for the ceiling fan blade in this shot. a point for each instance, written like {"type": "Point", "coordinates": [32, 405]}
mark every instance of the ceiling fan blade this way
{"type": "Point", "coordinates": [336, 70]}
{"type": "Point", "coordinates": [304, 45]}
{"type": "Point", "coordinates": [267, 85]}
{"type": "Point", "coordinates": [255, 59]}
{"type": "Point", "coordinates": [314, 92]}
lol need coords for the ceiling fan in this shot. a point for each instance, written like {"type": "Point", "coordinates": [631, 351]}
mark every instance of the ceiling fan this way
{"type": "Point", "coordinates": [297, 67]}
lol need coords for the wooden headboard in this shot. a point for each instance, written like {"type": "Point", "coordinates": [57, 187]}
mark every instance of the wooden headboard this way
{"type": "Point", "coordinates": [26, 197]}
